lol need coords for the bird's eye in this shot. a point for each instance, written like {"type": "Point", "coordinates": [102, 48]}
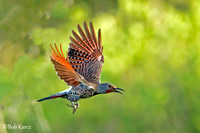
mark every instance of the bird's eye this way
{"type": "Point", "coordinates": [109, 86]}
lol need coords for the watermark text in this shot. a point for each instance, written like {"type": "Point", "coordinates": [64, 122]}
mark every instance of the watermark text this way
{"type": "Point", "coordinates": [16, 126]}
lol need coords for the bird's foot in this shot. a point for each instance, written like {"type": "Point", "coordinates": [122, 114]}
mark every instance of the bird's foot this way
{"type": "Point", "coordinates": [74, 106]}
{"type": "Point", "coordinates": [77, 104]}
{"type": "Point", "coordinates": [71, 106]}
{"type": "Point", "coordinates": [74, 110]}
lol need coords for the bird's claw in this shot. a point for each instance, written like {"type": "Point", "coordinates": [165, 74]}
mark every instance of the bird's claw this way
{"type": "Point", "coordinates": [74, 110]}
{"type": "Point", "coordinates": [74, 106]}
{"type": "Point", "coordinates": [71, 106]}
{"type": "Point", "coordinates": [77, 104]}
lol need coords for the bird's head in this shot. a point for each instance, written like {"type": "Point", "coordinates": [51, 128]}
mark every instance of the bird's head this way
{"type": "Point", "coordinates": [107, 88]}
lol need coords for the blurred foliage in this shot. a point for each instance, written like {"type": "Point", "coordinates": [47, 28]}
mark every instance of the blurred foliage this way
{"type": "Point", "coordinates": [151, 50]}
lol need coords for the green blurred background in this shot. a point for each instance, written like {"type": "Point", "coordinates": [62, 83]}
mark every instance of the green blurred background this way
{"type": "Point", "coordinates": [151, 49]}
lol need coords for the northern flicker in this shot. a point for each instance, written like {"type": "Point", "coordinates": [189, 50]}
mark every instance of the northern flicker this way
{"type": "Point", "coordinates": [81, 69]}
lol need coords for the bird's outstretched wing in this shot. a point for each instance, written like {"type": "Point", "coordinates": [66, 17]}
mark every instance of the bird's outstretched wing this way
{"type": "Point", "coordinates": [63, 67]}
{"type": "Point", "coordinates": [85, 54]}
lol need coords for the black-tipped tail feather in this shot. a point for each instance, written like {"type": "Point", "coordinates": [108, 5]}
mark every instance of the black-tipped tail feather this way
{"type": "Point", "coordinates": [50, 97]}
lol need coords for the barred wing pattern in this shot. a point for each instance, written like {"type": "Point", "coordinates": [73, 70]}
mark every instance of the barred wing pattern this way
{"type": "Point", "coordinates": [85, 54]}
{"type": "Point", "coordinates": [63, 67]}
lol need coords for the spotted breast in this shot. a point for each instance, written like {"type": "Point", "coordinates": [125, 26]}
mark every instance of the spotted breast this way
{"type": "Point", "coordinates": [79, 92]}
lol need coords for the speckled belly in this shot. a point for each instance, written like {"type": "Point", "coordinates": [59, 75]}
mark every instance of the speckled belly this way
{"type": "Point", "coordinates": [79, 92]}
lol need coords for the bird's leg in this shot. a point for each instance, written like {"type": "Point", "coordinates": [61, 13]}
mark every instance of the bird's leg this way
{"type": "Point", "coordinates": [77, 105]}
{"type": "Point", "coordinates": [71, 106]}
{"type": "Point", "coordinates": [74, 106]}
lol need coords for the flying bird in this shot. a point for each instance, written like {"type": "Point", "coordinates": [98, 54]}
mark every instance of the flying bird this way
{"type": "Point", "coordinates": [81, 68]}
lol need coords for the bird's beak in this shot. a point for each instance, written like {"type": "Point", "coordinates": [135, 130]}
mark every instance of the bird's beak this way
{"type": "Point", "coordinates": [116, 90]}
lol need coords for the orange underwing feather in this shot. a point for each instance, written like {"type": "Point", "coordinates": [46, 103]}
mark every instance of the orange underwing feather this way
{"type": "Point", "coordinates": [78, 38]}
{"type": "Point", "coordinates": [88, 35]}
{"type": "Point", "coordinates": [87, 42]}
{"type": "Point", "coordinates": [93, 35]}
{"type": "Point", "coordinates": [63, 67]}
{"type": "Point", "coordinates": [99, 39]}
{"type": "Point", "coordinates": [78, 44]}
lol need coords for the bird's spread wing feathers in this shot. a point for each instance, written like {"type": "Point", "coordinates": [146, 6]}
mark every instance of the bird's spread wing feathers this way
{"type": "Point", "coordinates": [85, 54]}
{"type": "Point", "coordinates": [63, 67]}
